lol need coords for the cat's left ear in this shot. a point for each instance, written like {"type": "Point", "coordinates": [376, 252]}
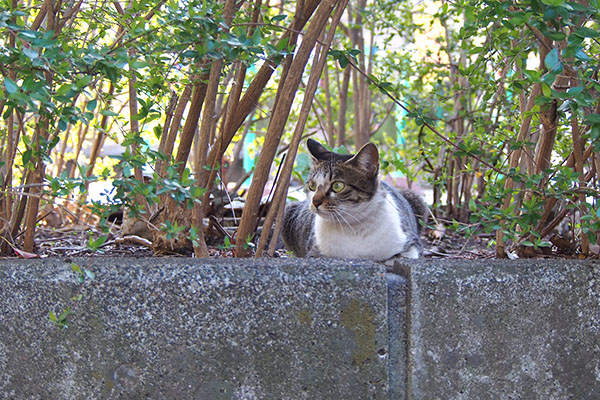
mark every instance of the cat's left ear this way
{"type": "Point", "coordinates": [367, 159]}
{"type": "Point", "coordinates": [317, 150]}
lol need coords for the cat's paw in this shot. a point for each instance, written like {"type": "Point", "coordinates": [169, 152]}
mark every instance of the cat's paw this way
{"type": "Point", "coordinates": [412, 252]}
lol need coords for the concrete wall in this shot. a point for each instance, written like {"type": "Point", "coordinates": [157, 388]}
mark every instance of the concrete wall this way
{"type": "Point", "coordinates": [187, 329]}
{"type": "Point", "coordinates": [499, 329]}
{"type": "Point", "coordinates": [296, 329]}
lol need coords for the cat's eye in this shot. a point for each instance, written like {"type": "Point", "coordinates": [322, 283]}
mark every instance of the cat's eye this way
{"type": "Point", "coordinates": [338, 186]}
{"type": "Point", "coordinates": [312, 186]}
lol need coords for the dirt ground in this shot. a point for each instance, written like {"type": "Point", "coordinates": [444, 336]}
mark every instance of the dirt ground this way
{"type": "Point", "coordinates": [72, 242]}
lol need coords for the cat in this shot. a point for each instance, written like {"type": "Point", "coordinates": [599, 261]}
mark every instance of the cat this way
{"type": "Point", "coordinates": [350, 213]}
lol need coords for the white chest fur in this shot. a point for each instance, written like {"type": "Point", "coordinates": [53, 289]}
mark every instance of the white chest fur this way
{"type": "Point", "coordinates": [378, 236]}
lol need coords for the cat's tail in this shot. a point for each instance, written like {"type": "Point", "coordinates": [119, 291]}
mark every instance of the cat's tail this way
{"type": "Point", "coordinates": [419, 207]}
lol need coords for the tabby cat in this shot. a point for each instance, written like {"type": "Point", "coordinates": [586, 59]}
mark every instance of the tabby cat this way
{"type": "Point", "coordinates": [350, 213]}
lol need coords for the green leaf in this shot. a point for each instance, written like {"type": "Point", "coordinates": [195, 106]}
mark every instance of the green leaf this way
{"type": "Point", "coordinates": [558, 36]}
{"type": "Point", "coordinates": [28, 35]}
{"type": "Point", "coordinates": [553, 3]}
{"type": "Point", "coordinates": [64, 315]}
{"type": "Point", "coordinates": [64, 89]}
{"type": "Point", "coordinates": [472, 205]}
{"type": "Point", "coordinates": [139, 116]}
{"type": "Point", "coordinates": [83, 82]}
{"type": "Point", "coordinates": [95, 244]}
{"type": "Point", "coordinates": [353, 53]}
{"type": "Point", "coordinates": [10, 85]}
{"type": "Point", "coordinates": [574, 91]}
{"type": "Point", "coordinates": [30, 53]}
{"type": "Point", "coordinates": [91, 105]}
{"type": "Point", "coordinates": [587, 32]}
{"type": "Point", "coordinates": [76, 268]}
{"type": "Point", "coordinates": [197, 191]}
{"type": "Point", "coordinates": [581, 55]}
{"type": "Point", "coordinates": [592, 119]}
{"type": "Point", "coordinates": [89, 274]}
{"type": "Point", "coordinates": [546, 90]}
{"type": "Point", "coordinates": [551, 61]}
{"type": "Point", "coordinates": [27, 156]}
{"type": "Point", "coordinates": [550, 14]}
{"type": "Point", "coordinates": [139, 64]}
{"type": "Point", "coordinates": [283, 43]}
{"type": "Point", "coordinates": [193, 233]}
{"type": "Point", "coordinates": [278, 18]}
{"type": "Point", "coordinates": [532, 75]}
{"type": "Point", "coordinates": [109, 113]}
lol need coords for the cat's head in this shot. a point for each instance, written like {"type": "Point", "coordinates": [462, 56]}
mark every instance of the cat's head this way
{"type": "Point", "coordinates": [339, 184]}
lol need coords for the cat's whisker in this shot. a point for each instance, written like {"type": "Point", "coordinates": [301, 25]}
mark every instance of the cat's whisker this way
{"type": "Point", "coordinates": [392, 203]}
{"type": "Point", "coordinates": [337, 218]}
{"type": "Point", "coordinates": [349, 214]}
{"type": "Point", "coordinates": [341, 217]}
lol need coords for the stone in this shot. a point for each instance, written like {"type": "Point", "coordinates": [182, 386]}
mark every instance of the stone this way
{"type": "Point", "coordinates": [397, 296]}
{"type": "Point", "coordinates": [180, 328]}
{"type": "Point", "coordinates": [503, 329]}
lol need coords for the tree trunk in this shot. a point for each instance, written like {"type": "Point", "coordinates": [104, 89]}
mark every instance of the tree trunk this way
{"type": "Point", "coordinates": [286, 93]}
{"type": "Point", "coordinates": [208, 121]}
{"type": "Point", "coordinates": [328, 113]}
{"type": "Point", "coordinates": [169, 143]}
{"type": "Point", "coordinates": [258, 84]}
{"type": "Point", "coordinates": [343, 107]}
{"type": "Point", "coordinates": [160, 164]}
{"type": "Point", "coordinates": [278, 204]}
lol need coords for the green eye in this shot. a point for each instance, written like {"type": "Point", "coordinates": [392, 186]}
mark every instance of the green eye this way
{"type": "Point", "coordinates": [338, 186]}
{"type": "Point", "coordinates": [312, 186]}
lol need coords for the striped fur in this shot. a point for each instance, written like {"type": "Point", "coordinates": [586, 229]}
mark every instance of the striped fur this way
{"type": "Point", "coordinates": [349, 213]}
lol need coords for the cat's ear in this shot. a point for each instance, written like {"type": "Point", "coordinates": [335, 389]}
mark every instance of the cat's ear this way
{"type": "Point", "coordinates": [317, 150]}
{"type": "Point", "coordinates": [366, 159]}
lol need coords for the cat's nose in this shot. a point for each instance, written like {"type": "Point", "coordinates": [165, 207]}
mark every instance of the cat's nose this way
{"type": "Point", "coordinates": [317, 201]}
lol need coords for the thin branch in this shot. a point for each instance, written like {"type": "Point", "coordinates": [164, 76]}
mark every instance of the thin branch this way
{"type": "Point", "coordinates": [431, 128]}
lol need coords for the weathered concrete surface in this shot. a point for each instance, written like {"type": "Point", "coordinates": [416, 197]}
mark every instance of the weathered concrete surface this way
{"type": "Point", "coordinates": [301, 329]}
{"type": "Point", "coordinates": [398, 346]}
{"type": "Point", "coordinates": [498, 329]}
{"type": "Point", "coordinates": [189, 329]}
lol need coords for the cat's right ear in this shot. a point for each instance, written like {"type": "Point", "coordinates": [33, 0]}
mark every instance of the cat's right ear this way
{"type": "Point", "coordinates": [317, 150]}
{"type": "Point", "coordinates": [367, 159]}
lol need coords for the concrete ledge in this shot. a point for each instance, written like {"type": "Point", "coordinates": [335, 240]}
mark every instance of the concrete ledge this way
{"type": "Point", "coordinates": [499, 329]}
{"type": "Point", "coordinates": [397, 339]}
{"type": "Point", "coordinates": [188, 329]}
{"type": "Point", "coordinates": [301, 329]}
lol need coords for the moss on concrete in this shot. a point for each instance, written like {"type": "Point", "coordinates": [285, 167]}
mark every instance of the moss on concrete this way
{"type": "Point", "coordinates": [359, 318]}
